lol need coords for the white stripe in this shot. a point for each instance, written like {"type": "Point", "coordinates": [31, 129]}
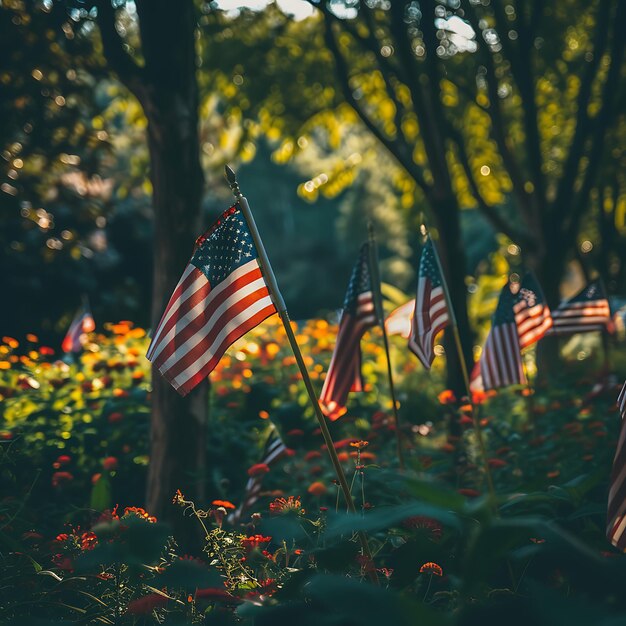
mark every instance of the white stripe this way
{"type": "Point", "coordinates": [233, 324]}
{"type": "Point", "coordinates": [183, 296]}
{"type": "Point", "coordinates": [202, 333]}
{"type": "Point", "coordinates": [618, 532]}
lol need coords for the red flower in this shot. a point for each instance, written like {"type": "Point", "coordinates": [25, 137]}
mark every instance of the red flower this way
{"type": "Point", "coordinates": [254, 541]}
{"type": "Point", "coordinates": [258, 470]}
{"type": "Point", "coordinates": [64, 459]}
{"type": "Point", "coordinates": [137, 511]}
{"type": "Point", "coordinates": [295, 432]}
{"type": "Point", "coordinates": [225, 503]}
{"type": "Point", "coordinates": [431, 568]}
{"type": "Point", "coordinates": [496, 463]}
{"type": "Point", "coordinates": [59, 478]}
{"type": "Point", "coordinates": [426, 523]}
{"type": "Point", "coordinates": [470, 493]}
{"type": "Point", "coordinates": [447, 397]}
{"type": "Point", "coordinates": [215, 593]}
{"type": "Point", "coordinates": [115, 417]}
{"type": "Point", "coordinates": [46, 351]}
{"type": "Point", "coordinates": [110, 463]}
{"type": "Point", "coordinates": [313, 454]}
{"type": "Point", "coordinates": [286, 505]}
{"type": "Point", "coordinates": [146, 604]}
{"type": "Point", "coordinates": [88, 541]}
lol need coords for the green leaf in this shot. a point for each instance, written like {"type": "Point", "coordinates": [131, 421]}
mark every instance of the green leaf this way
{"type": "Point", "coordinates": [101, 494]}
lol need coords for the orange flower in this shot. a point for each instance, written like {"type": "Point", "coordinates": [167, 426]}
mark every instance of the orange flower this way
{"type": "Point", "coordinates": [447, 397]}
{"type": "Point", "coordinates": [286, 505]}
{"type": "Point", "coordinates": [496, 463]}
{"type": "Point", "coordinates": [225, 503]}
{"type": "Point", "coordinates": [432, 569]}
{"type": "Point", "coordinates": [359, 444]}
{"type": "Point", "coordinates": [317, 489]}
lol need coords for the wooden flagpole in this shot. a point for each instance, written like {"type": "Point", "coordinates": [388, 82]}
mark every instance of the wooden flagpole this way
{"type": "Point", "coordinates": [459, 350]}
{"type": "Point", "coordinates": [380, 314]}
{"type": "Point", "coordinates": [279, 303]}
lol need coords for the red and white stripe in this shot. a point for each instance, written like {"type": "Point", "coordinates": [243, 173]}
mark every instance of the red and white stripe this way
{"type": "Point", "coordinates": [532, 322]}
{"type": "Point", "coordinates": [430, 317]}
{"type": "Point", "coordinates": [501, 360]}
{"type": "Point", "coordinates": [200, 323]}
{"type": "Point", "coordinates": [580, 317]}
{"type": "Point", "coordinates": [344, 372]}
{"type": "Point", "coordinates": [616, 510]}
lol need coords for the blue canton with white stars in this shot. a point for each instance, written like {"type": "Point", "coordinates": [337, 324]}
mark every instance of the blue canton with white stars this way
{"type": "Point", "coordinates": [360, 281]}
{"type": "Point", "coordinates": [226, 246]}
{"type": "Point", "coordinates": [504, 313]}
{"type": "Point", "coordinates": [428, 265]}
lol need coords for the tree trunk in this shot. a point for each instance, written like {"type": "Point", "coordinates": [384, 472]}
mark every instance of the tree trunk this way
{"type": "Point", "coordinates": [171, 105]}
{"type": "Point", "coordinates": [454, 267]}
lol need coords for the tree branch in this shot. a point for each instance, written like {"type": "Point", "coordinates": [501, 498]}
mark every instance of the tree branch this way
{"type": "Point", "coordinates": [584, 125]}
{"type": "Point", "coordinates": [129, 73]}
{"type": "Point", "coordinates": [393, 146]}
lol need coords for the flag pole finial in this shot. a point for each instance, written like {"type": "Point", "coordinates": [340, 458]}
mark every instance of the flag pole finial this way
{"type": "Point", "coordinates": [231, 177]}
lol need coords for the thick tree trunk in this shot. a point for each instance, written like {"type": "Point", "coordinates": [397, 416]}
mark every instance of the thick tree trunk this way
{"type": "Point", "coordinates": [454, 267]}
{"type": "Point", "coordinates": [549, 269]}
{"type": "Point", "coordinates": [170, 101]}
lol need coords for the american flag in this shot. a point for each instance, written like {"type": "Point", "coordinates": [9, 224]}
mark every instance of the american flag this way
{"type": "Point", "coordinates": [532, 314]}
{"type": "Point", "coordinates": [274, 450]}
{"type": "Point", "coordinates": [344, 372]}
{"type": "Point", "coordinates": [82, 323]}
{"type": "Point", "coordinates": [521, 319]}
{"type": "Point", "coordinates": [616, 513]}
{"type": "Point", "coordinates": [431, 309]}
{"type": "Point", "coordinates": [398, 322]}
{"type": "Point", "coordinates": [500, 363]}
{"type": "Point", "coordinates": [587, 311]}
{"type": "Point", "coordinates": [220, 297]}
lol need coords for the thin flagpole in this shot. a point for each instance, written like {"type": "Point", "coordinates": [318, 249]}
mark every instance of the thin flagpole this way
{"type": "Point", "coordinates": [380, 313]}
{"type": "Point", "coordinates": [268, 274]}
{"type": "Point", "coordinates": [463, 365]}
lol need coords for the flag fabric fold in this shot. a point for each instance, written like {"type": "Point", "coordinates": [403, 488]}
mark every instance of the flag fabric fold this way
{"type": "Point", "coordinates": [221, 296]}
{"type": "Point", "coordinates": [587, 311]}
{"type": "Point", "coordinates": [398, 322]}
{"type": "Point", "coordinates": [616, 509]}
{"type": "Point", "coordinates": [82, 323]}
{"type": "Point", "coordinates": [358, 315]}
{"type": "Point", "coordinates": [431, 313]}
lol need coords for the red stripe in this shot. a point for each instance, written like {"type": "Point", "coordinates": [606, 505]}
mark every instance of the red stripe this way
{"type": "Point", "coordinates": [197, 323]}
{"type": "Point", "coordinates": [238, 332]}
{"type": "Point", "coordinates": [236, 307]}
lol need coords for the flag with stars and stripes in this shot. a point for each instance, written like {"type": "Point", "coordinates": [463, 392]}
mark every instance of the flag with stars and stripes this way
{"type": "Point", "coordinates": [82, 323]}
{"type": "Point", "coordinates": [344, 372]}
{"type": "Point", "coordinates": [587, 311]}
{"type": "Point", "coordinates": [500, 363]}
{"type": "Point", "coordinates": [532, 314]}
{"type": "Point", "coordinates": [521, 319]}
{"type": "Point", "coordinates": [220, 297]}
{"type": "Point", "coordinates": [274, 450]}
{"type": "Point", "coordinates": [431, 313]}
{"type": "Point", "coordinates": [616, 510]}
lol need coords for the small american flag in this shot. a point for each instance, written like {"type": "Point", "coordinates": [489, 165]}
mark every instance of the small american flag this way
{"type": "Point", "coordinates": [587, 311]}
{"type": "Point", "coordinates": [521, 319]}
{"type": "Point", "coordinates": [274, 450]}
{"type": "Point", "coordinates": [82, 323]}
{"type": "Point", "coordinates": [500, 363]}
{"type": "Point", "coordinates": [616, 513]}
{"type": "Point", "coordinates": [431, 309]}
{"type": "Point", "coordinates": [532, 314]}
{"type": "Point", "coordinates": [220, 297]}
{"type": "Point", "coordinates": [344, 372]}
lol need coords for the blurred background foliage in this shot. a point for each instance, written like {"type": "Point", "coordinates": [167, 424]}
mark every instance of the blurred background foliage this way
{"type": "Point", "coordinates": [74, 190]}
